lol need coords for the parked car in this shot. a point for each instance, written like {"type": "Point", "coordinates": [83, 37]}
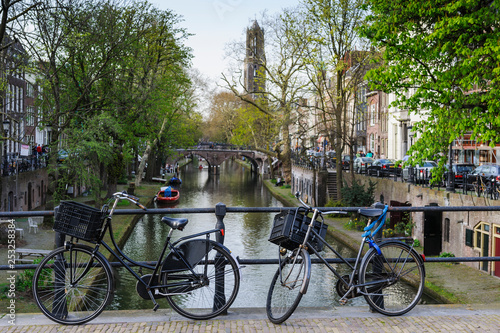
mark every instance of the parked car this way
{"type": "Point", "coordinates": [423, 171]}
{"type": "Point", "coordinates": [62, 155]}
{"type": "Point", "coordinates": [488, 172]}
{"type": "Point", "coordinates": [331, 159]}
{"type": "Point", "coordinates": [361, 163]}
{"type": "Point", "coordinates": [346, 161]}
{"type": "Point", "coordinates": [383, 167]}
{"type": "Point", "coordinates": [460, 170]}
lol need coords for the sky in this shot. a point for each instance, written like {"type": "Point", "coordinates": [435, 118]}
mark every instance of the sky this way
{"type": "Point", "coordinates": [215, 23]}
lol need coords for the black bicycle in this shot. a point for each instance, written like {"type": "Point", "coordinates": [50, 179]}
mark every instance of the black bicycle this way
{"type": "Point", "coordinates": [378, 275]}
{"type": "Point", "coordinates": [72, 285]}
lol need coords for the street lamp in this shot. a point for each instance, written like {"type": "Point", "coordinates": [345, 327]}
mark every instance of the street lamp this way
{"type": "Point", "coordinates": [49, 132]}
{"type": "Point", "coordinates": [450, 186]}
{"type": "Point", "coordinates": [6, 126]}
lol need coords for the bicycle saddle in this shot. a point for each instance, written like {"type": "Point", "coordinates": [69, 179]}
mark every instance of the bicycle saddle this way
{"type": "Point", "coordinates": [376, 210]}
{"type": "Point", "coordinates": [175, 223]}
{"type": "Point", "coordinates": [370, 212]}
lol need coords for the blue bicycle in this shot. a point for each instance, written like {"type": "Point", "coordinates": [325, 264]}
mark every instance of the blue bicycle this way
{"type": "Point", "coordinates": [380, 275]}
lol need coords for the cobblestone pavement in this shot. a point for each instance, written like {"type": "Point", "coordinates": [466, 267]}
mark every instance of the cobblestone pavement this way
{"type": "Point", "coordinates": [425, 318]}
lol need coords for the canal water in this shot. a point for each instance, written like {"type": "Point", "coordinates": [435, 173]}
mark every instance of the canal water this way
{"type": "Point", "coordinates": [246, 236]}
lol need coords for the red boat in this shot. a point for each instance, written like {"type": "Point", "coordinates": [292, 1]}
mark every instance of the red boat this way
{"type": "Point", "coordinates": [167, 195]}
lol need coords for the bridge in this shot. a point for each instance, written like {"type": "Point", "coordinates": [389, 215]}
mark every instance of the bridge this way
{"type": "Point", "coordinates": [215, 155]}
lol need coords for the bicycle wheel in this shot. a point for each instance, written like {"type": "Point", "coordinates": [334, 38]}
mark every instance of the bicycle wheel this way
{"type": "Point", "coordinates": [385, 276]}
{"type": "Point", "coordinates": [288, 285]}
{"type": "Point", "coordinates": [212, 288]}
{"type": "Point", "coordinates": [72, 286]}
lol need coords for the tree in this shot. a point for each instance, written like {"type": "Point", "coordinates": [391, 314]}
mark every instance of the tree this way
{"type": "Point", "coordinates": [284, 86]}
{"type": "Point", "coordinates": [223, 116]}
{"type": "Point", "coordinates": [337, 63]}
{"type": "Point", "coordinates": [446, 53]}
{"type": "Point", "coordinates": [105, 66]}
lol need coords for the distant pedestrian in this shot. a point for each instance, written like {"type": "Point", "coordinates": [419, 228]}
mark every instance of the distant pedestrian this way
{"type": "Point", "coordinates": [369, 154]}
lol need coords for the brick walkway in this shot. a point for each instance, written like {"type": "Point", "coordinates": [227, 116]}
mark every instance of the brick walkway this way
{"type": "Point", "coordinates": [444, 318]}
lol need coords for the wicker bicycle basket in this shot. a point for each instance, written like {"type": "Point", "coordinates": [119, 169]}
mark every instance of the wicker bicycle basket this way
{"type": "Point", "coordinates": [290, 228]}
{"type": "Point", "coordinates": [78, 220]}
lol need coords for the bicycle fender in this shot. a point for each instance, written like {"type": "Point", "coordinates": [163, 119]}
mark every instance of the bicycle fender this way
{"type": "Point", "coordinates": [240, 273]}
{"type": "Point", "coordinates": [235, 259]}
{"type": "Point", "coordinates": [305, 285]}
{"type": "Point", "coordinates": [377, 248]}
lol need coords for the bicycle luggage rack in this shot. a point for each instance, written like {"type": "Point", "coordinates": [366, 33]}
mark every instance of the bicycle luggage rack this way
{"type": "Point", "coordinates": [290, 227]}
{"type": "Point", "coordinates": [78, 220]}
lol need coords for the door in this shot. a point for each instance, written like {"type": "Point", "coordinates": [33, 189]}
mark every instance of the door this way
{"type": "Point", "coordinates": [397, 217]}
{"type": "Point", "coordinates": [485, 251]}
{"type": "Point", "coordinates": [496, 246]}
{"type": "Point", "coordinates": [30, 199]}
{"type": "Point", "coordinates": [433, 232]}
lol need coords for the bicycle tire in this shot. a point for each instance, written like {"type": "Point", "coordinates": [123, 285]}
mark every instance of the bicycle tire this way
{"type": "Point", "coordinates": [79, 291]}
{"type": "Point", "coordinates": [210, 297]}
{"type": "Point", "coordinates": [288, 285]}
{"type": "Point", "coordinates": [398, 263]}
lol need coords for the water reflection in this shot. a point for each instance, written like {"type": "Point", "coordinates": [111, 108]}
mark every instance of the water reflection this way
{"type": "Point", "coordinates": [246, 236]}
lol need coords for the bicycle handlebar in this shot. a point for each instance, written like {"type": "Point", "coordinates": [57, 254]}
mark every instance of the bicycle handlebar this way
{"type": "Point", "coordinates": [129, 197]}
{"type": "Point", "coordinates": [297, 195]}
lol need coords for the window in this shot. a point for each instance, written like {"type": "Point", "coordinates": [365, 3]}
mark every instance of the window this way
{"type": "Point", "coordinates": [29, 90]}
{"type": "Point", "coordinates": [469, 234]}
{"type": "Point", "coordinates": [30, 116]}
{"type": "Point", "coordinates": [373, 114]}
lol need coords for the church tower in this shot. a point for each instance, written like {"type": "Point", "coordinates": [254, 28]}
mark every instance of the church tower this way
{"type": "Point", "coordinates": [255, 58]}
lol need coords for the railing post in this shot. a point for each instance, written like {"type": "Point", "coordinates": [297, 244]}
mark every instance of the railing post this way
{"type": "Point", "coordinates": [377, 268]}
{"type": "Point", "coordinates": [219, 296]}
{"type": "Point", "coordinates": [60, 309]}
{"type": "Point", "coordinates": [220, 213]}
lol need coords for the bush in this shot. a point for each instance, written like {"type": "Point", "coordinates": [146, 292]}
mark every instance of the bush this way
{"type": "Point", "coordinates": [387, 233]}
{"type": "Point", "coordinates": [416, 243]}
{"type": "Point", "coordinates": [446, 255]}
{"type": "Point", "coordinates": [403, 228]}
{"type": "Point", "coordinates": [336, 203]}
{"type": "Point", "coordinates": [358, 196]}
{"type": "Point", "coordinates": [24, 281]}
{"type": "Point", "coordinates": [355, 224]}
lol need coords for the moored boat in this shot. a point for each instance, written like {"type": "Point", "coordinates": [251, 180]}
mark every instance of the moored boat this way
{"type": "Point", "coordinates": [167, 195]}
{"type": "Point", "coordinates": [175, 181]}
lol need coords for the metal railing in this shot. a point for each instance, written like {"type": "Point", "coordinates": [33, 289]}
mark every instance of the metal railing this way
{"type": "Point", "coordinates": [465, 183]}
{"type": "Point", "coordinates": [220, 211]}
{"type": "Point", "coordinates": [23, 164]}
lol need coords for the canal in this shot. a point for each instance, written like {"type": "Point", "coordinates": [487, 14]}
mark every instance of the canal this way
{"type": "Point", "coordinates": [246, 236]}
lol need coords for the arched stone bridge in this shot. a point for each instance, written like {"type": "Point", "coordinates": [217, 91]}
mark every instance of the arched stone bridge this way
{"type": "Point", "coordinates": [216, 156]}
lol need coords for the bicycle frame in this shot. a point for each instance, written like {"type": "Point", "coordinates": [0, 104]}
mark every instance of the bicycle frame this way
{"type": "Point", "coordinates": [367, 237]}
{"type": "Point", "coordinates": [378, 275]}
{"type": "Point", "coordinates": [123, 258]}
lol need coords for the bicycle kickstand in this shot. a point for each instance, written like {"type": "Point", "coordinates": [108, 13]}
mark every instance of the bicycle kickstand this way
{"type": "Point", "coordinates": [345, 298]}
{"type": "Point", "coordinates": [154, 301]}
